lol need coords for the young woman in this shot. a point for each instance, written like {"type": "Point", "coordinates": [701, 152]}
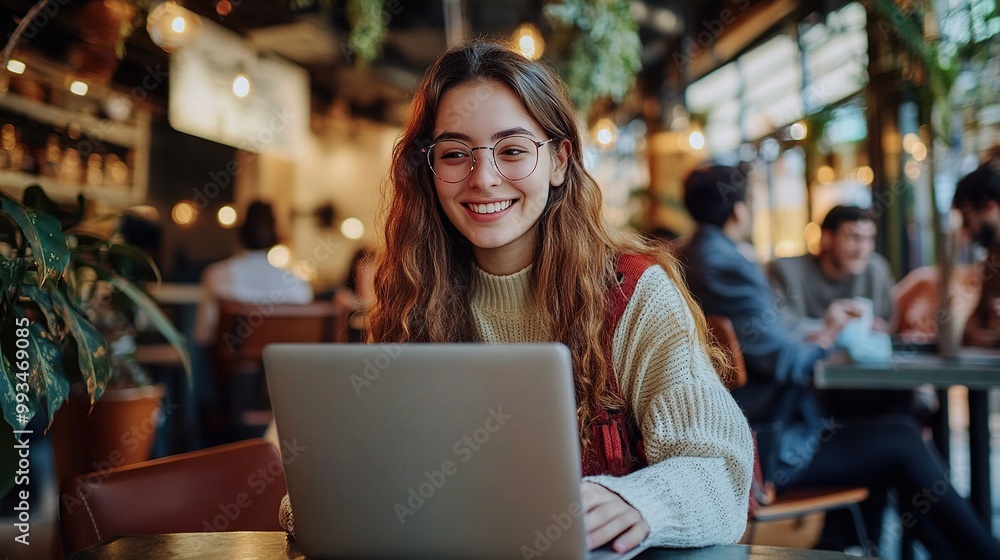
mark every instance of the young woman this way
{"type": "Point", "coordinates": [494, 234]}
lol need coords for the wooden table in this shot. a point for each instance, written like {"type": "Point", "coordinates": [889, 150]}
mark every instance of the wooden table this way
{"type": "Point", "coordinates": [978, 369]}
{"type": "Point", "coordinates": [176, 294]}
{"type": "Point", "coordinates": [273, 545]}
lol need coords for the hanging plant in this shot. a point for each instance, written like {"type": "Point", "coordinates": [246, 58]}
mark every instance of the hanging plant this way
{"type": "Point", "coordinates": [368, 29]}
{"type": "Point", "coordinates": [604, 48]}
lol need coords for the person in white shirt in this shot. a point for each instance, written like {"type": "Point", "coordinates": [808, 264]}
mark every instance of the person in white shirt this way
{"type": "Point", "coordinates": [248, 276]}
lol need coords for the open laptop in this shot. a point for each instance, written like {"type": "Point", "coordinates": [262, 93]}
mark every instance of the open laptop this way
{"type": "Point", "coordinates": [430, 450]}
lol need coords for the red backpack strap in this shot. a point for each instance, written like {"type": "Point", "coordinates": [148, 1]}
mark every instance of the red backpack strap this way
{"type": "Point", "coordinates": [628, 270]}
{"type": "Point", "coordinates": [616, 442]}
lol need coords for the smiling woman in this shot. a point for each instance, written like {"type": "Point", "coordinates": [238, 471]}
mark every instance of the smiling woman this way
{"type": "Point", "coordinates": [494, 234]}
{"type": "Point", "coordinates": [495, 205]}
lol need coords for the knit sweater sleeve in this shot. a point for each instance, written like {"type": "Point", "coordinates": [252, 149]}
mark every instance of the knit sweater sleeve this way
{"type": "Point", "coordinates": [695, 490]}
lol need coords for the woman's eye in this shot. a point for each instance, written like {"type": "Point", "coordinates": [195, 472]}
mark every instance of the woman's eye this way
{"type": "Point", "coordinates": [513, 151]}
{"type": "Point", "coordinates": [454, 154]}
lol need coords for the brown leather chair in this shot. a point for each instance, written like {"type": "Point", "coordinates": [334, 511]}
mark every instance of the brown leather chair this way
{"type": "Point", "coordinates": [720, 329]}
{"type": "Point", "coordinates": [766, 504]}
{"type": "Point", "coordinates": [244, 329]}
{"type": "Point", "coordinates": [233, 487]}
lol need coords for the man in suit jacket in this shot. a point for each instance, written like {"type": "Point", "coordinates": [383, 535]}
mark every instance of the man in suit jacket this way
{"type": "Point", "coordinates": [727, 283]}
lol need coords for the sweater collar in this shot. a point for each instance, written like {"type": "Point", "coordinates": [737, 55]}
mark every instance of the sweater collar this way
{"type": "Point", "coordinates": [501, 293]}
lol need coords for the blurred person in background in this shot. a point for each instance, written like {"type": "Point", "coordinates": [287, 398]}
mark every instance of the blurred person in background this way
{"type": "Point", "coordinates": [977, 197]}
{"type": "Point", "coordinates": [247, 276]}
{"type": "Point", "coordinates": [847, 267]}
{"type": "Point", "coordinates": [809, 450]}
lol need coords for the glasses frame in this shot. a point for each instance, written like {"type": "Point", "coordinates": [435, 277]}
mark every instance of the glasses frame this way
{"type": "Point", "coordinates": [538, 147]}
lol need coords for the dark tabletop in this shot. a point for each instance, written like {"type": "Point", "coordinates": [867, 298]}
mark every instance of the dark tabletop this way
{"type": "Point", "coordinates": [274, 545]}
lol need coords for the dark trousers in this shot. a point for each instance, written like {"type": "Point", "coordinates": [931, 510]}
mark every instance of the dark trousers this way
{"type": "Point", "coordinates": [889, 453]}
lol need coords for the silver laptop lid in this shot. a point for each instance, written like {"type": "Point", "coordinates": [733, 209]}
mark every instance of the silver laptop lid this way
{"type": "Point", "coordinates": [429, 450]}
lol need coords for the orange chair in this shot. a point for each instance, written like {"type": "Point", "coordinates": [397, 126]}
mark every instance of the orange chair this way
{"type": "Point", "coordinates": [243, 331]}
{"type": "Point", "coordinates": [766, 504]}
{"type": "Point", "coordinates": [720, 329]}
{"type": "Point", "coordinates": [233, 487]}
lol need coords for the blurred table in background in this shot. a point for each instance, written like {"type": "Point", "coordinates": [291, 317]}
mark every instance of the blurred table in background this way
{"type": "Point", "coordinates": [176, 294]}
{"type": "Point", "coordinates": [179, 302]}
{"type": "Point", "coordinates": [978, 369]}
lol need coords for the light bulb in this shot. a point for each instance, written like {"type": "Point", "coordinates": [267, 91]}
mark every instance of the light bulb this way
{"type": "Point", "coordinates": [352, 228]}
{"type": "Point", "coordinates": [172, 27]}
{"type": "Point", "coordinates": [529, 41]}
{"type": "Point", "coordinates": [241, 85]}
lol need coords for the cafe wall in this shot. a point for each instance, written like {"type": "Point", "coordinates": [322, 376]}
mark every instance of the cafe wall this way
{"type": "Point", "coordinates": [345, 164]}
{"type": "Point", "coordinates": [342, 165]}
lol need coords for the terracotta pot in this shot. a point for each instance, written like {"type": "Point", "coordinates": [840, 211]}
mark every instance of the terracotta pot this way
{"type": "Point", "coordinates": [120, 430]}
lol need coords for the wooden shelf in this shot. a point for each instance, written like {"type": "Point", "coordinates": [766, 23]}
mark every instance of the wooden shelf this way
{"type": "Point", "coordinates": [104, 130]}
{"type": "Point", "coordinates": [14, 183]}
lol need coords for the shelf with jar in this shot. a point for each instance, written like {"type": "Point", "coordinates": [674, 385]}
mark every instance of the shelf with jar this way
{"type": "Point", "coordinates": [96, 145]}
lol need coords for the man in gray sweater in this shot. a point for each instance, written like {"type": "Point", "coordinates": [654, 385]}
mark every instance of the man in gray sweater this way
{"type": "Point", "coordinates": [847, 267]}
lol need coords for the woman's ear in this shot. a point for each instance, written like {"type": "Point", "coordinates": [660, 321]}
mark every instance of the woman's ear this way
{"type": "Point", "coordinates": [561, 163]}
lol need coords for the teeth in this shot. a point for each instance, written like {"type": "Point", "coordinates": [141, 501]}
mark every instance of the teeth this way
{"type": "Point", "coordinates": [491, 207]}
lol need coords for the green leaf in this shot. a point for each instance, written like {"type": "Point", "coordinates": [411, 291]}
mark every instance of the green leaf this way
{"type": "Point", "coordinates": [44, 235]}
{"type": "Point", "coordinates": [46, 375]}
{"type": "Point", "coordinates": [53, 316]}
{"type": "Point", "coordinates": [8, 232]}
{"type": "Point", "coordinates": [11, 273]}
{"type": "Point", "coordinates": [127, 260]}
{"type": "Point", "coordinates": [133, 263]}
{"type": "Point", "coordinates": [156, 316]}
{"type": "Point", "coordinates": [8, 397]}
{"type": "Point", "coordinates": [93, 355]}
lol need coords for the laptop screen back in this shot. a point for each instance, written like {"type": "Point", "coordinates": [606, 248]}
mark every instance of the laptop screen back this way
{"type": "Point", "coordinates": [429, 450]}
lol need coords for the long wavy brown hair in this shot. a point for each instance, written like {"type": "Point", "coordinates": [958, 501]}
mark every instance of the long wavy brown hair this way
{"type": "Point", "coordinates": [424, 272]}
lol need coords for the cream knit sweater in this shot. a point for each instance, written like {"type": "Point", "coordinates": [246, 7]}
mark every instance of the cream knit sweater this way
{"type": "Point", "coordinates": [695, 491]}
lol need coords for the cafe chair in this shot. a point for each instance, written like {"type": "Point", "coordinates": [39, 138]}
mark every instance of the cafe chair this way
{"type": "Point", "coordinates": [765, 504]}
{"type": "Point", "coordinates": [232, 487]}
{"type": "Point", "coordinates": [244, 329]}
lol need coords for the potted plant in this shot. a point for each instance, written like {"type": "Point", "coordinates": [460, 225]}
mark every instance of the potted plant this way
{"type": "Point", "coordinates": [66, 292]}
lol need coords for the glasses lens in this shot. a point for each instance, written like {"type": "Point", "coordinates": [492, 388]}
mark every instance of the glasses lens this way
{"type": "Point", "coordinates": [451, 161]}
{"type": "Point", "coordinates": [516, 157]}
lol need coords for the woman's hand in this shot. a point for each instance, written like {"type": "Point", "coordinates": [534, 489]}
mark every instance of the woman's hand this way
{"type": "Point", "coordinates": [607, 517]}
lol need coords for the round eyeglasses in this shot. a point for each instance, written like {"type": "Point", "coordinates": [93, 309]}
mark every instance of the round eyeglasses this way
{"type": "Point", "coordinates": [515, 157]}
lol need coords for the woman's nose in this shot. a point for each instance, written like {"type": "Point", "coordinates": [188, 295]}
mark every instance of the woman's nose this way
{"type": "Point", "coordinates": [484, 172]}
